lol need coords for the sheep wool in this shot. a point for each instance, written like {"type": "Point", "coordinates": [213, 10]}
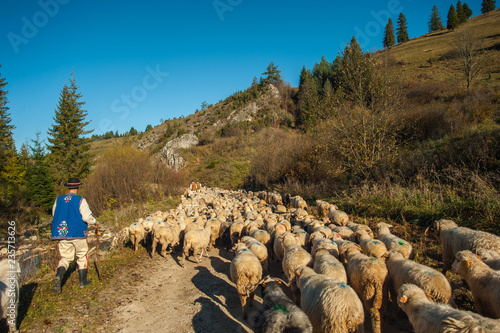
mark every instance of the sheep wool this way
{"type": "Point", "coordinates": [429, 317]}
{"type": "Point", "coordinates": [484, 282]}
{"type": "Point", "coordinates": [454, 238]}
{"type": "Point", "coordinates": [332, 306]}
{"type": "Point", "coordinates": [245, 270]}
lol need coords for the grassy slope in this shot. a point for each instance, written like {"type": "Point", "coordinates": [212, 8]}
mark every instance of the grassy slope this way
{"type": "Point", "coordinates": [415, 54]}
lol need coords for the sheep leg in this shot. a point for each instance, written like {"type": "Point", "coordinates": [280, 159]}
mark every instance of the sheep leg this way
{"type": "Point", "coordinates": [134, 242]}
{"type": "Point", "coordinates": [163, 249]}
{"type": "Point", "coordinates": [244, 305]}
{"type": "Point", "coordinates": [153, 249]}
{"type": "Point", "coordinates": [183, 258]}
{"type": "Point", "coordinates": [375, 317]}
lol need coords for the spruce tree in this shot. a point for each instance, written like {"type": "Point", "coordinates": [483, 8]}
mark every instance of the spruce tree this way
{"type": "Point", "coordinates": [6, 141]}
{"type": "Point", "coordinates": [273, 75]}
{"type": "Point", "coordinates": [467, 11]}
{"type": "Point", "coordinates": [488, 6]}
{"type": "Point", "coordinates": [39, 181]}
{"type": "Point", "coordinates": [460, 13]}
{"type": "Point", "coordinates": [357, 74]}
{"type": "Point", "coordinates": [321, 73]}
{"type": "Point", "coordinates": [304, 75]}
{"type": "Point", "coordinates": [69, 149]}
{"type": "Point", "coordinates": [435, 22]}
{"type": "Point", "coordinates": [402, 30]}
{"type": "Point", "coordinates": [389, 39]}
{"type": "Point", "coordinates": [452, 21]}
{"type": "Point", "coordinates": [11, 170]}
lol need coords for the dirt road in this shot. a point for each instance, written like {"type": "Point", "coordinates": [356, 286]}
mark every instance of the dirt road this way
{"type": "Point", "coordinates": [158, 295]}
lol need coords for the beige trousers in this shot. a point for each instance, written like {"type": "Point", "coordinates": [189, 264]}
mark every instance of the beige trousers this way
{"type": "Point", "coordinates": [71, 247]}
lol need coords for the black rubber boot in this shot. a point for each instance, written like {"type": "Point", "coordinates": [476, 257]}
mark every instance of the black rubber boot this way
{"type": "Point", "coordinates": [56, 287]}
{"type": "Point", "coordinates": [82, 273]}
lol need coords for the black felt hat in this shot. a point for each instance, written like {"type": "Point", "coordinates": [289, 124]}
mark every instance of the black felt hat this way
{"type": "Point", "coordinates": [73, 183]}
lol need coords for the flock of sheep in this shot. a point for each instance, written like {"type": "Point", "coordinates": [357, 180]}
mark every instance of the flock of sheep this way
{"type": "Point", "coordinates": [336, 270]}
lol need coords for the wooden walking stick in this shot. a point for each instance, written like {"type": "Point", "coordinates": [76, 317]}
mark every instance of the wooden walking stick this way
{"type": "Point", "coordinates": [96, 262]}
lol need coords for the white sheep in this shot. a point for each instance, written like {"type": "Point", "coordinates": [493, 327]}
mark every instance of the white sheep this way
{"type": "Point", "coordinates": [166, 236]}
{"type": "Point", "coordinates": [9, 292]}
{"type": "Point", "coordinates": [278, 313]}
{"type": "Point", "coordinates": [490, 258]}
{"type": "Point", "coordinates": [282, 241]}
{"type": "Point", "coordinates": [298, 202]}
{"type": "Point", "coordinates": [337, 216]}
{"type": "Point", "coordinates": [198, 241]}
{"type": "Point", "coordinates": [402, 271]}
{"type": "Point", "coordinates": [371, 247]}
{"type": "Point", "coordinates": [137, 234]}
{"type": "Point", "coordinates": [265, 238]}
{"type": "Point", "coordinates": [260, 251]}
{"type": "Point", "coordinates": [344, 232]}
{"type": "Point", "coordinates": [325, 244]}
{"type": "Point", "coordinates": [294, 257]}
{"type": "Point", "coordinates": [235, 232]}
{"type": "Point", "coordinates": [328, 265]}
{"type": "Point", "coordinates": [454, 238]}
{"type": "Point", "coordinates": [215, 224]}
{"type": "Point", "coordinates": [393, 242]}
{"type": "Point", "coordinates": [429, 317]}
{"type": "Point", "coordinates": [323, 208]}
{"type": "Point", "coordinates": [332, 306]}
{"type": "Point", "coordinates": [483, 281]}
{"type": "Point", "coordinates": [245, 271]}
{"type": "Point", "coordinates": [357, 226]}
{"type": "Point", "coordinates": [369, 277]}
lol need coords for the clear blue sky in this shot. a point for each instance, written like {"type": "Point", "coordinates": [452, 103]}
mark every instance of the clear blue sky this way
{"type": "Point", "coordinates": [137, 62]}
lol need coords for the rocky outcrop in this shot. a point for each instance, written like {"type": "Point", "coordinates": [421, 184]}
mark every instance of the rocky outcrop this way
{"type": "Point", "coordinates": [170, 154]}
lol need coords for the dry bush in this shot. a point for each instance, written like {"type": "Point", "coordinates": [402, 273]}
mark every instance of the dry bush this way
{"type": "Point", "coordinates": [125, 175]}
{"type": "Point", "coordinates": [278, 155]}
{"type": "Point", "coordinates": [357, 141]}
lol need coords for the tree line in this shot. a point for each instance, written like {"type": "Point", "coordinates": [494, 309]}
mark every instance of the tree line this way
{"type": "Point", "coordinates": [456, 16]}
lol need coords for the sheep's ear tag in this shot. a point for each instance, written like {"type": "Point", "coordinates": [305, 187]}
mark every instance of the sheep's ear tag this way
{"type": "Point", "coordinates": [403, 299]}
{"type": "Point", "coordinates": [264, 284]}
{"type": "Point", "coordinates": [298, 273]}
{"type": "Point", "coordinates": [468, 263]}
{"type": "Point", "coordinates": [428, 295]}
{"type": "Point", "coordinates": [279, 282]}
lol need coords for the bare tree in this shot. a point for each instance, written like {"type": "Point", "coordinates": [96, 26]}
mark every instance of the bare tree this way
{"type": "Point", "coordinates": [467, 46]}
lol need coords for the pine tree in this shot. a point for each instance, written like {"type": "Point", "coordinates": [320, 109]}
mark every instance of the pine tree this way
{"type": "Point", "coordinates": [304, 75]}
{"type": "Point", "coordinates": [402, 30]}
{"type": "Point", "coordinates": [39, 182]}
{"type": "Point", "coordinates": [357, 74]}
{"type": "Point", "coordinates": [11, 170]}
{"type": "Point", "coordinates": [389, 39]}
{"type": "Point", "coordinates": [488, 6]}
{"type": "Point", "coordinates": [321, 73]}
{"type": "Point", "coordinates": [452, 21]}
{"type": "Point", "coordinates": [467, 11]}
{"type": "Point", "coordinates": [69, 149]}
{"type": "Point", "coordinates": [308, 105]}
{"type": "Point", "coordinates": [435, 22]}
{"type": "Point", "coordinates": [460, 13]}
{"type": "Point", "coordinates": [273, 75]}
{"type": "Point", "coordinates": [6, 141]}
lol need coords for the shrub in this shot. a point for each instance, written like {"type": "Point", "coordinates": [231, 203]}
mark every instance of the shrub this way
{"type": "Point", "coordinates": [124, 175]}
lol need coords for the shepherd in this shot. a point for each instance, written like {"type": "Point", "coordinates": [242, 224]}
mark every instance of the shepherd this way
{"type": "Point", "coordinates": [72, 216]}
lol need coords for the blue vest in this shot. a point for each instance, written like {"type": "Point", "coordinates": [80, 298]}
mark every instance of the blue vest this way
{"type": "Point", "coordinates": [67, 222]}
